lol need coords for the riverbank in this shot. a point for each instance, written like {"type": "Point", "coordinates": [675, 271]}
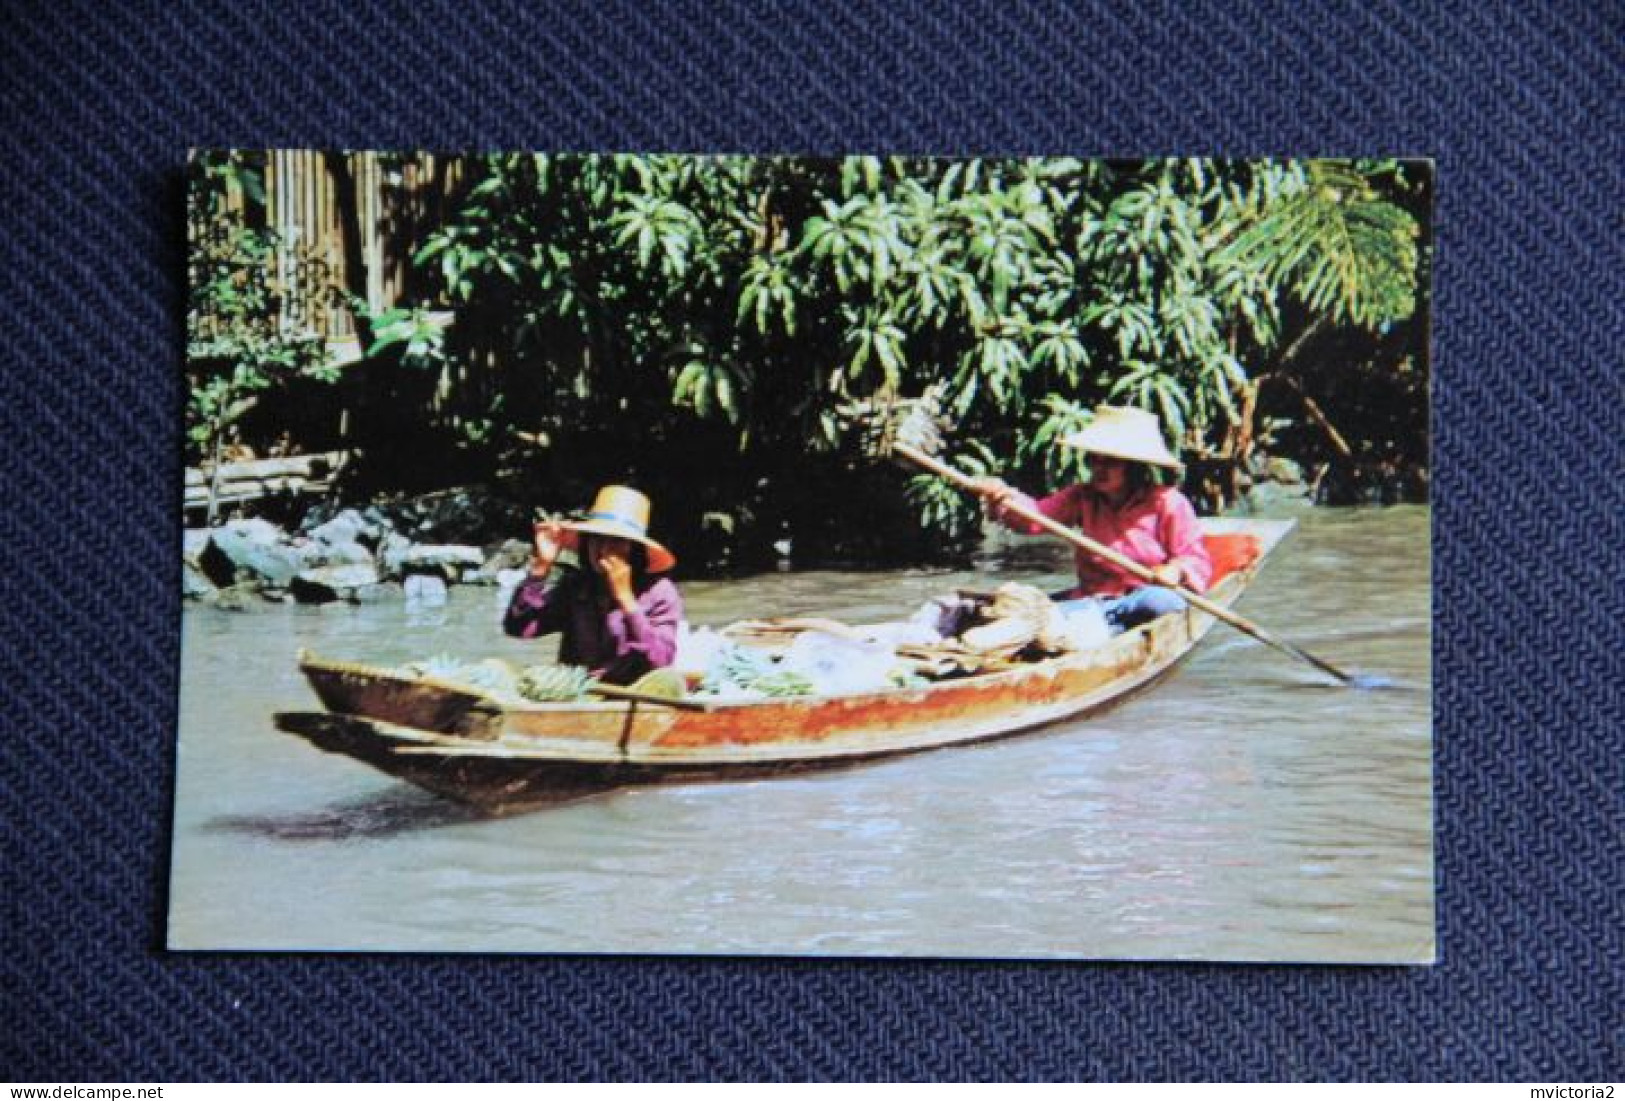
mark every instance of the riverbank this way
{"type": "Point", "coordinates": [412, 548]}
{"type": "Point", "coordinates": [416, 548]}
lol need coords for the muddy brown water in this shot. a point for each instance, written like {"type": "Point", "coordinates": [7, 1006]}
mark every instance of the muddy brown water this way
{"type": "Point", "coordinates": [1240, 810]}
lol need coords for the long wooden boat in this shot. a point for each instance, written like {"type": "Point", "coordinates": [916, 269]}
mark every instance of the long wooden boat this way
{"type": "Point", "coordinates": [502, 757]}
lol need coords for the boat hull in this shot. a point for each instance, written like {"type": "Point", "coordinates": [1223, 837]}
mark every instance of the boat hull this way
{"type": "Point", "coordinates": [460, 744]}
{"type": "Point", "coordinates": [497, 780]}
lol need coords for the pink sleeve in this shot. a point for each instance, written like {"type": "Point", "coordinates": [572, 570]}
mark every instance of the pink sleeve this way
{"type": "Point", "coordinates": [1181, 537]}
{"type": "Point", "coordinates": [537, 608]}
{"type": "Point", "coordinates": [652, 629]}
{"type": "Point", "coordinates": [1058, 506]}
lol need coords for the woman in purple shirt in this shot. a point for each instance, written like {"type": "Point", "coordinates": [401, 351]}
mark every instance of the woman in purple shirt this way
{"type": "Point", "coordinates": [618, 619]}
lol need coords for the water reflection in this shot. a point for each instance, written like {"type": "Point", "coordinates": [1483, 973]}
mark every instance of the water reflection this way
{"type": "Point", "coordinates": [385, 814]}
{"type": "Point", "coordinates": [1244, 808]}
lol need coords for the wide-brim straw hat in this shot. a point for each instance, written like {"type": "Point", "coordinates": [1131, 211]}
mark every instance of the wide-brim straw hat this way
{"type": "Point", "coordinates": [1124, 433]}
{"type": "Point", "coordinates": [623, 512]}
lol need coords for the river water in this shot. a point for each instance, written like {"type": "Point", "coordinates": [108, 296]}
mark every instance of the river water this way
{"type": "Point", "coordinates": [1241, 810]}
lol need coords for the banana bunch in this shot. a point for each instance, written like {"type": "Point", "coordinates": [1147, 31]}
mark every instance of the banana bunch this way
{"type": "Point", "coordinates": [553, 683]}
{"type": "Point", "coordinates": [497, 678]}
{"type": "Point", "coordinates": [439, 667]}
{"type": "Point", "coordinates": [734, 668]}
{"type": "Point", "coordinates": [741, 670]}
{"type": "Point", "coordinates": [782, 682]}
{"type": "Point", "coordinates": [492, 676]}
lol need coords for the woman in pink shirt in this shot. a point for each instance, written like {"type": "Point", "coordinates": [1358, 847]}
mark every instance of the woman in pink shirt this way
{"type": "Point", "coordinates": [1123, 507]}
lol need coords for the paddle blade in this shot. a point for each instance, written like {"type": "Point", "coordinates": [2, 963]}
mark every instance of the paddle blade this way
{"type": "Point", "coordinates": [1373, 682]}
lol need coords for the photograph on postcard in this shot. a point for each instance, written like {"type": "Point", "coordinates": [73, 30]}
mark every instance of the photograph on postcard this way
{"type": "Point", "coordinates": [1018, 557]}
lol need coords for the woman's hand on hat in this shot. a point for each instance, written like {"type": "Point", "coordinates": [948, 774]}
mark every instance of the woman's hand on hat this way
{"type": "Point", "coordinates": [548, 539]}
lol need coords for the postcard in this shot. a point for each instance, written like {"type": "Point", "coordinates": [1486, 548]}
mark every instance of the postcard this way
{"type": "Point", "coordinates": [868, 556]}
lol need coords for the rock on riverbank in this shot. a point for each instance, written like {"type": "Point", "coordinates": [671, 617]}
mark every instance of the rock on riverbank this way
{"type": "Point", "coordinates": [354, 555]}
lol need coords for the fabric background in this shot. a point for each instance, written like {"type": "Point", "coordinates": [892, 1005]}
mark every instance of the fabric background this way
{"type": "Point", "coordinates": [1522, 106]}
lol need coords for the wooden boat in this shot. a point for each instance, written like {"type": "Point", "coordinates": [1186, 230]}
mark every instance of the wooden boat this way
{"type": "Point", "coordinates": [501, 758]}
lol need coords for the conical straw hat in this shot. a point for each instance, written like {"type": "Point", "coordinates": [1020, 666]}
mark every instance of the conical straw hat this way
{"type": "Point", "coordinates": [624, 513]}
{"type": "Point", "coordinates": [1124, 433]}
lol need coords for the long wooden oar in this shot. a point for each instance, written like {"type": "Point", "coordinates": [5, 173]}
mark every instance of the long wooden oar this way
{"type": "Point", "coordinates": [1195, 600]}
{"type": "Point", "coordinates": [615, 692]}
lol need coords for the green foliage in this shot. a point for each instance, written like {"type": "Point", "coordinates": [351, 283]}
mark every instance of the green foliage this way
{"type": "Point", "coordinates": [421, 336]}
{"type": "Point", "coordinates": [943, 507]}
{"type": "Point", "coordinates": [760, 293]}
{"type": "Point", "coordinates": [1042, 447]}
{"type": "Point", "coordinates": [1335, 242]}
{"type": "Point", "coordinates": [248, 318]}
{"type": "Point", "coordinates": [713, 312]}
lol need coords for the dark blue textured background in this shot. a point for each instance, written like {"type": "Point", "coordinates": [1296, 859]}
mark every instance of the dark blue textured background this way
{"type": "Point", "coordinates": [1520, 103]}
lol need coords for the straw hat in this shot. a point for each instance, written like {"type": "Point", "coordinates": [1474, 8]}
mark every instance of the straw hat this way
{"type": "Point", "coordinates": [624, 513]}
{"type": "Point", "coordinates": [1124, 433]}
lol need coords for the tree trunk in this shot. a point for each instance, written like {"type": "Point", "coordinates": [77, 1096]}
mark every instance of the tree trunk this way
{"type": "Point", "coordinates": [218, 432]}
{"type": "Point", "coordinates": [1240, 443]}
{"type": "Point", "coordinates": [1296, 346]}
